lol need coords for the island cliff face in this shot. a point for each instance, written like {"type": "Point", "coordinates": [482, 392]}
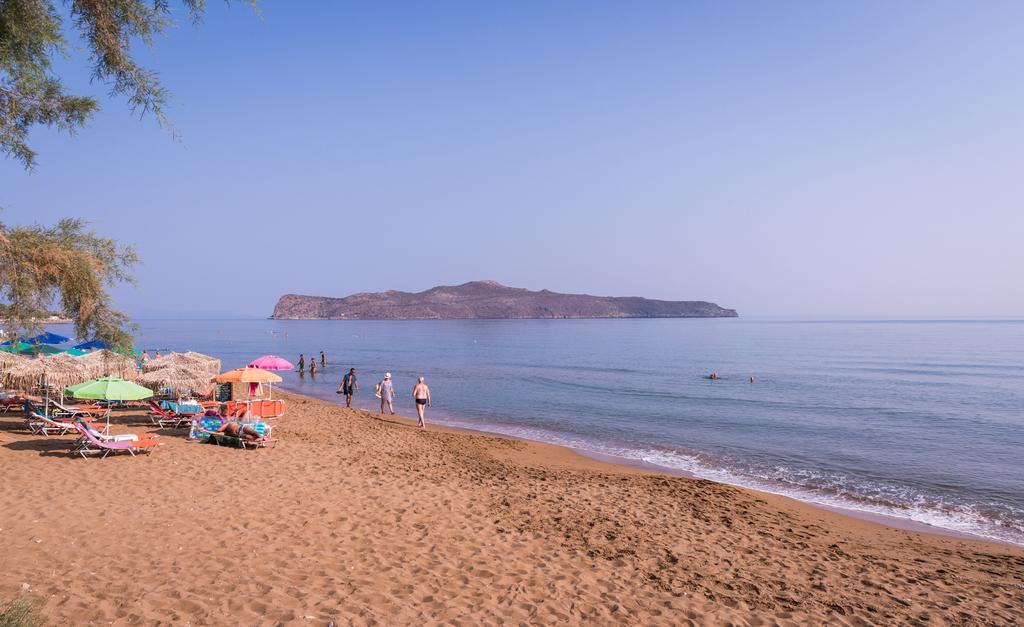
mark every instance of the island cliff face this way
{"type": "Point", "coordinates": [486, 299]}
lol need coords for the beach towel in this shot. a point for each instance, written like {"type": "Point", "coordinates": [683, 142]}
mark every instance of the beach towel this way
{"type": "Point", "coordinates": [201, 426]}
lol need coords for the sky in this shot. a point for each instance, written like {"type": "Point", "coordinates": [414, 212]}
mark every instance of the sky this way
{"type": "Point", "coordinates": [798, 159]}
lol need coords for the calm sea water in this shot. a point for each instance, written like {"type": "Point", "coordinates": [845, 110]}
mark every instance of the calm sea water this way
{"type": "Point", "coordinates": [920, 420]}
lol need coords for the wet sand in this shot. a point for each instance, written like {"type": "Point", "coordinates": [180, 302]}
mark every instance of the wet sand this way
{"type": "Point", "coordinates": [359, 519]}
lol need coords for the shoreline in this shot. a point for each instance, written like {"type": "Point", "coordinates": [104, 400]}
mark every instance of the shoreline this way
{"type": "Point", "coordinates": [591, 460]}
{"type": "Point", "coordinates": [616, 461]}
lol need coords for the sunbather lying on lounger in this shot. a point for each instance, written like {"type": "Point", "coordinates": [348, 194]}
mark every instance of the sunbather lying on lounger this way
{"type": "Point", "coordinates": [242, 432]}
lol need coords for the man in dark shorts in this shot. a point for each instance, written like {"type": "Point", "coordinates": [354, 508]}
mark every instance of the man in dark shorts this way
{"type": "Point", "coordinates": [349, 386]}
{"type": "Point", "coordinates": [421, 393]}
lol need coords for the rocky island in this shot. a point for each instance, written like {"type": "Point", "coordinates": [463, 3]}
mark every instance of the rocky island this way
{"type": "Point", "coordinates": [486, 299]}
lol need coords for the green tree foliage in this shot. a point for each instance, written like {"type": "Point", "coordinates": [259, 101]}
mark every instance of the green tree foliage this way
{"type": "Point", "coordinates": [32, 34]}
{"type": "Point", "coordinates": [67, 268]}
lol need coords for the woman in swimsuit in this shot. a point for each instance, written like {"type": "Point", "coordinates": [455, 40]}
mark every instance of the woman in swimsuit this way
{"type": "Point", "coordinates": [242, 432]}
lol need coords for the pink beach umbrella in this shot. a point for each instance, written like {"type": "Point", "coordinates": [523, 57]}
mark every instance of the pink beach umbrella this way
{"type": "Point", "coordinates": [271, 362]}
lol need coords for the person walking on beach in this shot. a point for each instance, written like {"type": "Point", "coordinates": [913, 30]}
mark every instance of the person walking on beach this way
{"type": "Point", "coordinates": [387, 394]}
{"type": "Point", "coordinates": [349, 386]}
{"type": "Point", "coordinates": [421, 394]}
{"type": "Point", "coordinates": [323, 360]}
{"type": "Point", "coordinates": [302, 362]}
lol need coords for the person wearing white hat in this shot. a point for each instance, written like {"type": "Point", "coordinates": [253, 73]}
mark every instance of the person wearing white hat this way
{"type": "Point", "coordinates": [387, 394]}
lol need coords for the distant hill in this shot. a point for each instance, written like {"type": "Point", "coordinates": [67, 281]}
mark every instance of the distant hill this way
{"type": "Point", "coordinates": [486, 299]}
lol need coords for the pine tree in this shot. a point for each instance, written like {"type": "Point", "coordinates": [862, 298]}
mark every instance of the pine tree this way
{"type": "Point", "coordinates": [68, 268]}
{"type": "Point", "coordinates": [31, 35]}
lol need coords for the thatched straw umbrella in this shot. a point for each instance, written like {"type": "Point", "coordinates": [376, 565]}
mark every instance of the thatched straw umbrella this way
{"type": "Point", "coordinates": [177, 379]}
{"type": "Point", "coordinates": [25, 376]}
{"type": "Point", "coordinates": [190, 360]}
{"type": "Point", "coordinates": [212, 364]}
{"type": "Point", "coordinates": [8, 361]}
{"type": "Point", "coordinates": [58, 371]}
{"type": "Point", "coordinates": [101, 363]}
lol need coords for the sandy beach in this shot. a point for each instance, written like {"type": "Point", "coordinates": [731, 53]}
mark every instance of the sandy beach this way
{"type": "Point", "coordinates": [360, 519]}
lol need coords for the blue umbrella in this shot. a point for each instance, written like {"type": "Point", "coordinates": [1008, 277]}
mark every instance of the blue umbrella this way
{"type": "Point", "coordinates": [91, 345]}
{"type": "Point", "coordinates": [48, 338]}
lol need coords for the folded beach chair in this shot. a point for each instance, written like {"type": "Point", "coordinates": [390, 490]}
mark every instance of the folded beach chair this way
{"type": "Point", "coordinates": [94, 444]}
{"type": "Point", "coordinates": [235, 409]}
{"type": "Point", "coordinates": [165, 419]}
{"type": "Point", "coordinates": [266, 409]}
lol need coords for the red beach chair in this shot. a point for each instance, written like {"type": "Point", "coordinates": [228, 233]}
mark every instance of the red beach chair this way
{"type": "Point", "coordinates": [164, 419]}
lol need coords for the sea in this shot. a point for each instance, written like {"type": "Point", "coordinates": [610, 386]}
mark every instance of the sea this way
{"type": "Point", "coordinates": [917, 421]}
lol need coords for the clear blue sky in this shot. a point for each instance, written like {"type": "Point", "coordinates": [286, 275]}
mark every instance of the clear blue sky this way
{"type": "Point", "coordinates": [786, 159]}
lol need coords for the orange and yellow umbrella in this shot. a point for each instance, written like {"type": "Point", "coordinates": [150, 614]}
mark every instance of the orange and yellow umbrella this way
{"type": "Point", "coordinates": [247, 375]}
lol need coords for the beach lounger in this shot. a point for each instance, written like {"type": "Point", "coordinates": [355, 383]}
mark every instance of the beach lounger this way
{"type": "Point", "coordinates": [72, 411]}
{"type": "Point", "coordinates": [206, 427]}
{"type": "Point", "coordinates": [9, 403]}
{"type": "Point", "coordinates": [30, 407]}
{"type": "Point", "coordinates": [43, 425]}
{"type": "Point", "coordinates": [165, 419]}
{"type": "Point", "coordinates": [226, 440]}
{"type": "Point", "coordinates": [94, 444]}
{"type": "Point", "coordinates": [84, 444]}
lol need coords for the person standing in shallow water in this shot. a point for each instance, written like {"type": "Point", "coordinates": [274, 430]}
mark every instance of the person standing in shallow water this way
{"type": "Point", "coordinates": [387, 394]}
{"type": "Point", "coordinates": [312, 366]}
{"type": "Point", "coordinates": [349, 386]}
{"type": "Point", "coordinates": [421, 394]}
{"type": "Point", "coordinates": [302, 363]}
{"type": "Point", "coordinates": [323, 359]}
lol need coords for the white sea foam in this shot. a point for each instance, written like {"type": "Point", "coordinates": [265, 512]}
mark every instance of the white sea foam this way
{"type": "Point", "coordinates": [832, 491]}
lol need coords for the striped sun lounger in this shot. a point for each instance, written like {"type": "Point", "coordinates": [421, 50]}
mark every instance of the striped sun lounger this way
{"type": "Point", "coordinates": [204, 429]}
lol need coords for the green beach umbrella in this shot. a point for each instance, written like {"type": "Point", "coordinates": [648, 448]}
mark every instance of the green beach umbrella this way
{"type": "Point", "coordinates": [109, 389]}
